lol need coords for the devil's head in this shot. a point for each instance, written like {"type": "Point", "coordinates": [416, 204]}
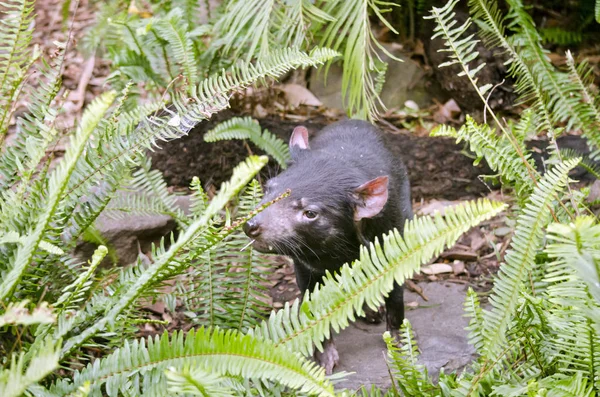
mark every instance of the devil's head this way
{"type": "Point", "coordinates": [328, 199]}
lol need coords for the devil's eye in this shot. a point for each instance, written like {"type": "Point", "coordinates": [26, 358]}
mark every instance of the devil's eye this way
{"type": "Point", "coordinates": [310, 214]}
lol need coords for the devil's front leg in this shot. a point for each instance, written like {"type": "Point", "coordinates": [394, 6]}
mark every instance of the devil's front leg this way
{"type": "Point", "coordinates": [394, 308]}
{"type": "Point", "coordinates": [307, 279]}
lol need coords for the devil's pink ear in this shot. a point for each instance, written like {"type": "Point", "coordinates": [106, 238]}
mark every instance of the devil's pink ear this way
{"type": "Point", "coordinates": [371, 198]}
{"type": "Point", "coordinates": [299, 138]}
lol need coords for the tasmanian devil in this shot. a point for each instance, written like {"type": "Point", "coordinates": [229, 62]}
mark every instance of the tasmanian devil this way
{"type": "Point", "coordinates": [346, 190]}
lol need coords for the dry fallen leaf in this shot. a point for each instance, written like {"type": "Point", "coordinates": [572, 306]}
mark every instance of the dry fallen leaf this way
{"type": "Point", "coordinates": [446, 112]}
{"type": "Point", "coordinates": [297, 95]}
{"type": "Point", "coordinates": [437, 268]}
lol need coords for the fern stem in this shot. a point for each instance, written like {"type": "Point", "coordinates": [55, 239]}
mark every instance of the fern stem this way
{"type": "Point", "coordinates": [57, 186]}
{"type": "Point", "coordinates": [241, 176]}
{"type": "Point", "coordinates": [447, 34]}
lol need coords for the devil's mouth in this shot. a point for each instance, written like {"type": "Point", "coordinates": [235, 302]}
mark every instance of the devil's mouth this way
{"type": "Point", "coordinates": [263, 246]}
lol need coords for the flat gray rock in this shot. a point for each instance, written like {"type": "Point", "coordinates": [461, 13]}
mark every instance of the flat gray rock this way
{"type": "Point", "coordinates": [439, 325]}
{"type": "Point", "coordinates": [403, 81]}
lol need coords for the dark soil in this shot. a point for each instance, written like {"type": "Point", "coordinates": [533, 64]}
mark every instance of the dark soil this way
{"type": "Point", "coordinates": [436, 166]}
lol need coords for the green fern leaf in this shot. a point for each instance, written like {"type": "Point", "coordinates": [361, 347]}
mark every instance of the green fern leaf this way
{"type": "Point", "coordinates": [15, 57]}
{"type": "Point", "coordinates": [218, 351]}
{"type": "Point", "coordinates": [199, 199]}
{"type": "Point", "coordinates": [498, 152]}
{"type": "Point", "coordinates": [242, 174]}
{"type": "Point", "coordinates": [411, 377]}
{"type": "Point", "coordinates": [363, 67]}
{"type": "Point", "coordinates": [519, 259]}
{"type": "Point", "coordinates": [57, 186]}
{"type": "Point", "coordinates": [179, 43]}
{"type": "Point", "coordinates": [474, 312]}
{"type": "Point", "coordinates": [14, 382]}
{"type": "Point", "coordinates": [248, 128]}
{"type": "Point", "coordinates": [195, 381]}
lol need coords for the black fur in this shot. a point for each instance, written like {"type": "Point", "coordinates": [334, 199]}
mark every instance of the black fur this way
{"type": "Point", "coordinates": [341, 158]}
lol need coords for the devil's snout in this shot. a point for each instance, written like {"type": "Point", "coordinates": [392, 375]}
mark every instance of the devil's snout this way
{"type": "Point", "coordinates": [252, 228]}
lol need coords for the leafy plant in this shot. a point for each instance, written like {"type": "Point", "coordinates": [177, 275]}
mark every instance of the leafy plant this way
{"type": "Point", "coordinates": [168, 48]}
{"type": "Point", "coordinates": [539, 336]}
{"type": "Point", "coordinates": [247, 128]}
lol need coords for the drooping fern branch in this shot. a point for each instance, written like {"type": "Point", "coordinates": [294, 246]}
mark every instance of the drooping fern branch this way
{"type": "Point", "coordinates": [242, 174]}
{"type": "Point", "coordinates": [248, 128]}
{"type": "Point", "coordinates": [15, 57]}
{"type": "Point", "coordinates": [334, 303]}
{"type": "Point", "coordinates": [57, 185]}
{"type": "Point", "coordinates": [520, 258]}
{"type": "Point", "coordinates": [224, 353]}
{"type": "Point", "coordinates": [497, 150]}
{"type": "Point", "coordinates": [351, 33]}
{"type": "Point", "coordinates": [461, 50]}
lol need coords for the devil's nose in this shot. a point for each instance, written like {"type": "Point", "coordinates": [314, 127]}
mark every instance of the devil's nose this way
{"type": "Point", "coordinates": [252, 228]}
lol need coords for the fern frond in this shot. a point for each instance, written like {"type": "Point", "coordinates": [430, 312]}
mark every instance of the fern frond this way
{"type": "Point", "coordinates": [244, 74]}
{"type": "Point", "coordinates": [248, 128]}
{"type": "Point", "coordinates": [560, 36]}
{"type": "Point", "coordinates": [461, 50]}
{"type": "Point", "coordinates": [582, 77]}
{"type": "Point", "coordinates": [196, 381]}
{"type": "Point", "coordinates": [246, 25]}
{"type": "Point", "coordinates": [363, 68]}
{"type": "Point", "coordinates": [199, 198]}
{"type": "Point", "coordinates": [411, 377]}
{"type": "Point", "coordinates": [239, 295]}
{"type": "Point", "coordinates": [152, 184]}
{"type": "Point", "coordinates": [519, 259]}
{"type": "Point", "coordinates": [57, 185]}
{"type": "Point", "coordinates": [75, 292]}
{"type": "Point", "coordinates": [474, 312]}
{"type": "Point", "coordinates": [15, 57]}
{"type": "Point", "coordinates": [498, 152]}
{"type": "Point", "coordinates": [221, 352]}
{"type": "Point", "coordinates": [242, 174]}
{"type": "Point", "coordinates": [590, 166]}
{"type": "Point", "coordinates": [179, 43]}
{"type": "Point", "coordinates": [334, 303]}
{"type": "Point", "coordinates": [14, 382]}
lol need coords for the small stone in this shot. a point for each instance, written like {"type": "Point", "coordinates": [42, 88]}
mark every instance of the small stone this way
{"type": "Point", "coordinates": [411, 105]}
{"type": "Point", "coordinates": [413, 304]}
{"type": "Point", "coordinates": [502, 231]}
{"type": "Point", "coordinates": [458, 267]}
{"type": "Point", "coordinates": [437, 268]}
{"type": "Point", "coordinates": [277, 305]}
{"type": "Point", "coordinates": [260, 112]}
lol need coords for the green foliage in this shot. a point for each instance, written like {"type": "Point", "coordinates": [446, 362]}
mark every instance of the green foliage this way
{"type": "Point", "coordinates": [154, 52]}
{"type": "Point", "coordinates": [139, 365]}
{"type": "Point", "coordinates": [410, 376]}
{"type": "Point", "coordinates": [520, 257]}
{"type": "Point", "coordinates": [46, 208]}
{"type": "Point", "coordinates": [14, 382]}
{"type": "Point", "coordinates": [540, 336]}
{"type": "Point", "coordinates": [247, 128]}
